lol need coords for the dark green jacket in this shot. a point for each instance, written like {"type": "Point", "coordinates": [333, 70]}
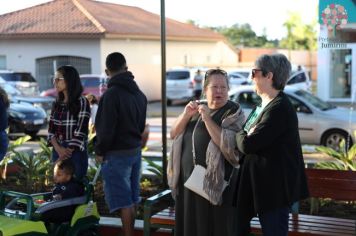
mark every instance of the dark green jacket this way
{"type": "Point", "coordinates": [272, 167]}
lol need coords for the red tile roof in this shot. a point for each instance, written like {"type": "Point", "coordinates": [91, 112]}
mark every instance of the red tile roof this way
{"type": "Point", "coordinates": [88, 18]}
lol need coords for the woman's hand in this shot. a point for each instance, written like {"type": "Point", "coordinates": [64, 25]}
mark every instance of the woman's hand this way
{"type": "Point", "coordinates": [191, 109]}
{"type": "Point", "coordinates": [179, 125]}
{"type": "Point", "coordinates": [63, 152]}
{"type": "Point", "coordinates": [204, 111]}
{"type": "Point", "coordinates": [57, 197]}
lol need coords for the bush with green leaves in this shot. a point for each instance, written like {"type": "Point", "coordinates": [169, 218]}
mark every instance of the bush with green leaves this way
{"type": "Point", "coordinates": [36, 170]}
{"type": "Point", "coordinates": [344, 159]}
{"type": "Point", "coordinates": [154, 168]}
{"type": "Point", "coordinates": [10, 149]}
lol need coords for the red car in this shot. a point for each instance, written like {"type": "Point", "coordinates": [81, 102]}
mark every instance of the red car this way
{"type": "Point", "coordinates": [94, 84]}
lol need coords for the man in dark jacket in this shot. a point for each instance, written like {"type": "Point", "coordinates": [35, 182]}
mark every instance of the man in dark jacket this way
{"type": "Point", "coordinates": [119, 123]}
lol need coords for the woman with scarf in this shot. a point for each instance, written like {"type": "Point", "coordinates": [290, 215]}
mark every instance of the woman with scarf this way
{"type": "Point", "coordinates": [204, 135]}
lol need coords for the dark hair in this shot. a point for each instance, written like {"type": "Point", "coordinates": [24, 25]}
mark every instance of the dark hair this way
{"type": "Point", "coordinates": [279, 65]}
{"type": "Point", "coordinates": [74, 88]}
{"type": "Point", "coordinates": [91, 98]}
{"type": "Point", "coordinates": [4, 97]}
{"type": "Point", "coordinates": [67, 166]}
{"type": "Point", "coordinates": [115, 62]}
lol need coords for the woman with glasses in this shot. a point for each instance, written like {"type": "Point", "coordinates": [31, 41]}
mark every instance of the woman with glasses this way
{"type": "Point", "coordinates": [204, 135]}
{"type": "Point", "coordinates": [272, 175]}
{"type": "Point", "coordinates": [4, 105]}
{"type": "Point", "coordinates": [68, 124]}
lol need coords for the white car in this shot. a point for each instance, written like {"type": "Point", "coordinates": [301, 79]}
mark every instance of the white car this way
{"type": "Point", "coordinates": [179, 83]}
{"type": "Point", "coordinates": [239, 76]}
{"type": "Point", "coordinates": [319, 121]}
{"type": "Point", "coordinates": [299, 78]}
{"type": "Point", "coordinates": [22, 81]}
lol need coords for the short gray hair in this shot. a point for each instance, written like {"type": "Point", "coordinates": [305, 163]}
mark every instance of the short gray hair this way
{"type": "Point", "coordinates": [279, 65]}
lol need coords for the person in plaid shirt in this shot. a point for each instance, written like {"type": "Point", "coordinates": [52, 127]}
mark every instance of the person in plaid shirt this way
{"type": "Point", "coordinates": [68, 124]}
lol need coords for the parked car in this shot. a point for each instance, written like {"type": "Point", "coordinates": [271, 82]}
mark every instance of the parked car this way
{"type": "Point", "coordinates": [23, 117]}
{"type": "Point", "coordinates": [16, 97]}
{"type": "Point", "coordinates": [179, 83]}
{"type": "Point", "coordinates": [238, 77]}
{"type": "Point", "coordinates": [319, 121]}
{"type": "Point", "coordinates": [23, 81]}
{"type": "Point", "coordinates": [299, 78]}
{"type": "Point", "coordinates": [94, 84]}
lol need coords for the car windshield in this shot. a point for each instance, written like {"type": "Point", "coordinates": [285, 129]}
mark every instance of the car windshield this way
{"type": "Point", "coordinates": [18, 77]}
{"type": "Point", "coordinates": [90, 81]}
{"type": "Point", "coordinates": [177, 75]}
{"type": "Point", "coordinates": [10, 90]}
{"type": "Point", "coordinates": [315, 101]}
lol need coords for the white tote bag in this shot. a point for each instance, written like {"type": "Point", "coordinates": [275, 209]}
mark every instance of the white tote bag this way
{"type": "Point", "coordinates": [195, 181]}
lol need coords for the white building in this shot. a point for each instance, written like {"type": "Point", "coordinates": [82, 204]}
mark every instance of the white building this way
{"type": "Point", "coordinates": [337, 65]}
{"type": "Point", "coordinates": [82, 32]}
{"type": "Point", "coordinates": [337, 51]}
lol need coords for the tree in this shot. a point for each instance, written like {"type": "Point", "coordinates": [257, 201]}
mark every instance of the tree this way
{"type": "Point", "coordinates": [243, 35]}
{"type": "Point", "coordinates": [299, 35]}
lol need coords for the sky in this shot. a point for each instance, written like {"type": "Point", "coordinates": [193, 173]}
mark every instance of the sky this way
{"type": "Point", "coordinates": [263, 16]}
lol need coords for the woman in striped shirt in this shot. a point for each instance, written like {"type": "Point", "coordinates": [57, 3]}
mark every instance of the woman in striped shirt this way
{"type": "Point", "coordinates": [68, 124]}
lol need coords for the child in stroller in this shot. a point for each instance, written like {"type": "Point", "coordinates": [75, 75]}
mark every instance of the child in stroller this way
{"type": "Point", "coordinates": [65, 187]}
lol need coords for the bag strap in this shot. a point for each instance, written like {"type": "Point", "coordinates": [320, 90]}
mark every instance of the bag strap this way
{"type": "Point", "coordinates": [193, 143]}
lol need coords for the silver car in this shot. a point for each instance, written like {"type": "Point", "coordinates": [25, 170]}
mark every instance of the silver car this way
{"type": "Point", "coordinates": [319, 121]}
{"type": "Point", "coordinates": [22, 81]}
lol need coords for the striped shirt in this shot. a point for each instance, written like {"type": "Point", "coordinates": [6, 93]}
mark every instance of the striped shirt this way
{"type": "Point", "coordinates": [69, 128]}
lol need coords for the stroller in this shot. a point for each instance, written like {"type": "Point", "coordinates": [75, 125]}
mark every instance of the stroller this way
{"type": "Point", "coordinates": [20, 213]}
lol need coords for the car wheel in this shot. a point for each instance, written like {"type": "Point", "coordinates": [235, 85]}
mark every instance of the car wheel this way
{"type": "Point", "coordinates": [333, 138]}
{"type": "Point", "coordinates": [169, 102]}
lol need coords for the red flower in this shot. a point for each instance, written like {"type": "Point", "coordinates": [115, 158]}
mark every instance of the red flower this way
{"type": "Point", "coordinates": [332, 6]}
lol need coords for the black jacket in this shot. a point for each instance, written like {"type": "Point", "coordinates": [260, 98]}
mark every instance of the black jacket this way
{"type": "Point", "coordinates": [70, 189]}
{"type": "Point", "coordinates": [121, 116]}
{"type": "Point", "coordinates": [67, 190]}
{"type": "Point", "coordinates": [272, 171]}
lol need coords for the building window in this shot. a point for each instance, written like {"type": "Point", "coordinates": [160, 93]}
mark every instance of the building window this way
{"type": "Point", "coordinates": [45, 68]}
{"type": "Point", "coordinates": [340, 73]}
{"type": "Point", "coordinates": [2, 62]}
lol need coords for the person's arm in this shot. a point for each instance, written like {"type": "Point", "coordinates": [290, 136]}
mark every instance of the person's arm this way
{"type": "Point", "coordinates": [93, 113]}
{"type": "Point", "coordinates": [272, 125]}
{"type": "Point", "coordinates": [62, 151]}
{"type": "Point", "coordinates": [179, 125]}
{"type": "Point", "coordinates": [52, 141]}
{"type": "Point", "coordinates": [81, 132]}
{"type": "Point", "coordinates": [105, 123]}
{"type": "Point", "coordinates": [50, 129]}
{"type": "Point", "coordinates": [213, 129]}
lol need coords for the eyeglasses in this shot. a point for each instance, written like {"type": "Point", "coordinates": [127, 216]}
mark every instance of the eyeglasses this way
{"type": "Point", "coordinates": [215, 72]}
{"type": "Point", "coordinates": [56, 80]}
{"type": "Point", "coordinates": [253, 72]}
{"type": "Point", "coordinates": [216, 88]}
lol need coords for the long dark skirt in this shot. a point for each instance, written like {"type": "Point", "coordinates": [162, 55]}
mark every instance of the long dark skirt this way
{"type": "Point", "coordinates": [195, 216]}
